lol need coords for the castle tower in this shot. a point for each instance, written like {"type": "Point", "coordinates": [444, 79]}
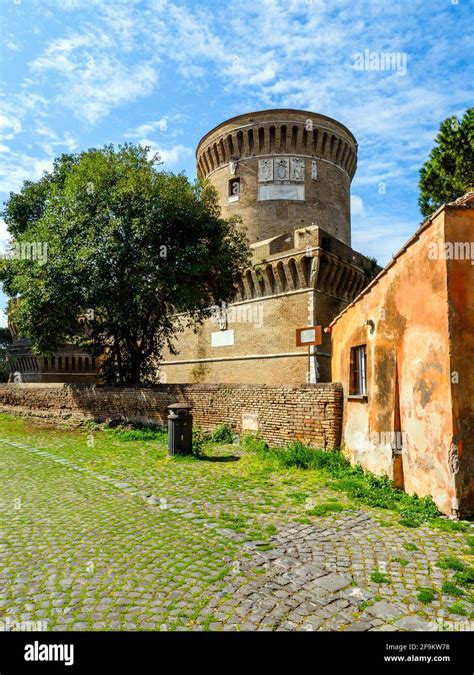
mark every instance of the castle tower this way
{"type": "Point", "coordinates": [281, 170]}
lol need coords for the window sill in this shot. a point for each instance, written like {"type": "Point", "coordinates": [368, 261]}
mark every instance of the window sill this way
{"type": "Point", "coordinates": [357, 397]}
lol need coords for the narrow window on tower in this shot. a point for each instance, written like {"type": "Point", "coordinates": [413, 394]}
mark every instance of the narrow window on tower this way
{"type": "Point", "coordinates": [234, 189]}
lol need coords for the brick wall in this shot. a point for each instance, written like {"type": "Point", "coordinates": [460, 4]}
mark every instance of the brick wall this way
{"type": "Point", "coordinates": [311, 413]}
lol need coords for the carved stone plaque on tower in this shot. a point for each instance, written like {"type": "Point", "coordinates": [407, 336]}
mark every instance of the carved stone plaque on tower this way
{"type": "Point", "coordinates": [297, 169]}
{"type": "Point", "coordinates": [265, 170]}
{"type": "Point", "coordinates": [282, 168]}
{"type": "Point", "coordinates": [314, 170]}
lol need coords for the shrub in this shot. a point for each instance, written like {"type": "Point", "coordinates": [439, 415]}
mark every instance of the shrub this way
{"type": "Point", "coordinates": [222, 434]}
{"type": "Point", "coordinates": [200, 438]}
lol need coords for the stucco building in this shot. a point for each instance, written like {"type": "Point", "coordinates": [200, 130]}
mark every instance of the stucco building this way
{"type": "Point", "coordinates": [404, 353]}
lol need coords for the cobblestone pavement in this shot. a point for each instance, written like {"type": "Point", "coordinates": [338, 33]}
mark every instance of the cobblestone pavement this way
{"type": "Point", "coordinates": [91, 541]}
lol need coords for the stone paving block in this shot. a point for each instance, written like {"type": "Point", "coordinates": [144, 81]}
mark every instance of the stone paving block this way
{"type": "Point", "coordinates": [333, 582]}
{"type": "Point", "coordinates": [384, 610]}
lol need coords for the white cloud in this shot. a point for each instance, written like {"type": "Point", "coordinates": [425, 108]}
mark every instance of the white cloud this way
{"type": "Point", "coordinates": [144, 129]}
{"type": "Point", "coordinates": [9, 127]}
{"type": "Point", "coordinates": [93, 78]}
{"type": "Point", "coordinates": [4, 234]}
{"type": "Point", "coordinates": [12, 45]}
{"type": "Point", "coordinates": [3, 319]}
{"type": "Point", "coordinates": [52, 141]}
{"type": "Point", "coordinates": [18, 167]}
{"type": "Point", "coordinates": [357, 205]}
{"type": "Point", "coordinates": [169, 156]}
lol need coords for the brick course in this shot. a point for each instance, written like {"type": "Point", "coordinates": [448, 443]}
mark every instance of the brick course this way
{"type": "Point", "coordinates": [311, 413]}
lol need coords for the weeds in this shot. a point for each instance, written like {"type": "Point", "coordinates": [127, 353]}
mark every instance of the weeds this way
{"type": "Point", "coordinates": [138, 432]}
{"type": "Point", "coordinates": [222, 434]}
{"type": "Point", "coordinates": [254, 443]}
{"type": "Point", "coordinates": [426, 595]}
{"type": "Point", "coordinates": [325, 509]}
{"type": "Point", "coordinates": [451, 589]}
{"type": "Point", "coordinates": [410, 547]}
{"type": "Point", "coordinates": [377, 491]}
{"type": "Point", "coordinates": [379, 578]}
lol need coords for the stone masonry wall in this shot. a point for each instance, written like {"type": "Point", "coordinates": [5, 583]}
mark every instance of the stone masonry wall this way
{"type": "Point", "coordinates": [311, 413]}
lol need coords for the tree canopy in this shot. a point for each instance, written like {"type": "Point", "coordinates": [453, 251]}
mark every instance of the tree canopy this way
{"type": "Point", "coordinates": [449, 171]}
{"type": "Point", "coordinates": [128, 247]}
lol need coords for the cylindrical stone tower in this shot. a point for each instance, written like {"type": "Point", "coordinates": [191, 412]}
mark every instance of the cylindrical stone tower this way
{"type": "Point", "coordinates": [281, 170]}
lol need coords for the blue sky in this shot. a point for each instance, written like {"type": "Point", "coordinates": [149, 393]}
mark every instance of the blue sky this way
{"type": "Point", "coordinates": [81, 73]}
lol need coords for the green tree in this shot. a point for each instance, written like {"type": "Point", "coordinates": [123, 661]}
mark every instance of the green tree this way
{"type": "Point", "coordinates": [5, 340]}
{"type": "Point", "coordinates": [449, 171]}
{"type": "Point", "coordinates": [128, 248]}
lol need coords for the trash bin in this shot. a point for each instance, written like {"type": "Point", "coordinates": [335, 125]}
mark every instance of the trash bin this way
{"type": "Point", "coordinates": [180, 429]}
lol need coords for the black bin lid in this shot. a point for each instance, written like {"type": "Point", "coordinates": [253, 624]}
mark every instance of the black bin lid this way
{"type": "Point", "coordinates": [180, 406]}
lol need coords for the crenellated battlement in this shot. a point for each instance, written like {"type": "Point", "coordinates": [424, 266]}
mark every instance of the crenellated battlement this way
{"type": "Point", "coordinates": [275, 167]}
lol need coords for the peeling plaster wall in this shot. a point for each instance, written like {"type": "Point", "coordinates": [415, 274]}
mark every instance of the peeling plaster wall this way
{"type": "Point", "coordinates": [459, 230]}
{"type": "Point", "coordinates": [409, 372]}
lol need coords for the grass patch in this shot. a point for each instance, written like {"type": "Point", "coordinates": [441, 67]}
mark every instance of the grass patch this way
{"type": "Point", "coordinates": [264, 547]}
{"type": "Point", "coordinates": [458, 608]}
{"type": "Point", "coordinates": [138, 432]}
{"type": "Point", "coordinates": [451, 563]}
{"type": "Point", "coordinates": [325, 509]}
{"type": "Point", "coordinates": [466, 577]}
{"type": "Point", "coordinates": [376, 491]}
{"type": "Point", "coordinates": [235, 523]}
{"type": "Point", "coordinates": [299, 497]}
{"type": "Point", "coordinates": [426, 595]}
{"type": "Point", "coordinates": [379, 578]}
{"type": "Point", "coordinates": [451, 589]}
{"type": "Point", "coordinates": [410, 547]}
{"type": "Point", "coordinates": [400, 561]}
{"type": "Point", "coordinates": [470, 543]}
{"type": "Point", "coordinates": [254, 443]}
{"type": "Point", "coordinates": [447, 525]}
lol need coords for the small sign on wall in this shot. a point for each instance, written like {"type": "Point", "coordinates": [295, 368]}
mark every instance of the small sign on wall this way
{"type": "Point", "coordinates": [306, 337]}
{"type": "Point", "coordinates": [249, 421]}
{"type": "Point", "coordinates": [222, 338]}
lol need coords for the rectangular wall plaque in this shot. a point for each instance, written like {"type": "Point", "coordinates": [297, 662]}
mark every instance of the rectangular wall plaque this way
{"type": "Point", "coordinates": [290, 192]}
{"type": "Point", "coordinates": [249, 421]}
{"type": "Point", "coordinates": [222, 338]}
